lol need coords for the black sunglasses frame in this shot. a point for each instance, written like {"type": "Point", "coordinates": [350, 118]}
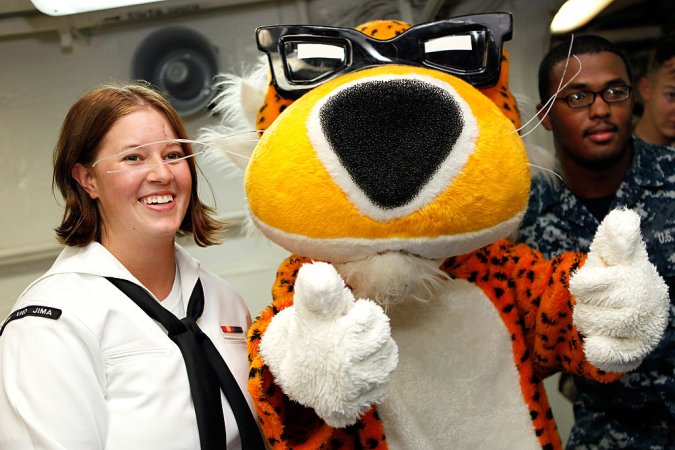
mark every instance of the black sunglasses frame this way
{"type": "Point", "coordinates": [363, 51]}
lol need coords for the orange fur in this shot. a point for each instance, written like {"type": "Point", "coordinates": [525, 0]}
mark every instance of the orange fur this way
{"type": "Point", "coordinates": [532, 297]}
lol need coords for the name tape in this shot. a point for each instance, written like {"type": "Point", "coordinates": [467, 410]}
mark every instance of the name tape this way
{"type": "Point", "coordinates": [33, 310]}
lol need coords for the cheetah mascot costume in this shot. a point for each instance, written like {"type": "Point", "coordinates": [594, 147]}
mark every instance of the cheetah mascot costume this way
{"type": "Point", "coordinates": [391, 169]}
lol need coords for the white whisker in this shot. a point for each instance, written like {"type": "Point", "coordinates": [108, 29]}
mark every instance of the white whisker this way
{"type": "Point", "coordinates": [150, 166]}
{"type": "Point", "coordinates": [545, 169]}
{"type": "Point", "coordinates": [546, 107]}
{"type": "Point", "coordinates": [204, 147]}
{"type": "Point", "coordinates": [218, 143]}
{"type": "Point", "coordinates": [233, 153]}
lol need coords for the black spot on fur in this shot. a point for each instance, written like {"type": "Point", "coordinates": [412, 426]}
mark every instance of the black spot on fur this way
{"type": "Point", "coordinates": [549, 414]}
{"type": "Point", "coordinates": [525, 356]}
{"type": "Point", "coordinates": [500, 276]}
{"type": "Point", "coordinates": [255, 335]}
{"type": "Point", "coordinates": [545, 319]}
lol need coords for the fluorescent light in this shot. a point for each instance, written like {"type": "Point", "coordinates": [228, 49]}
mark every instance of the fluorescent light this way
{"type": "Point", "coordinates": [65, 7]}
{"type": "Point", "coordinates": [576, 13]}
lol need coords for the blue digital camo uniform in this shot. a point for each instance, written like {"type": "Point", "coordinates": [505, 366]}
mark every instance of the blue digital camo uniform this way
{"type": "Point", "coordinates": [638, 411]}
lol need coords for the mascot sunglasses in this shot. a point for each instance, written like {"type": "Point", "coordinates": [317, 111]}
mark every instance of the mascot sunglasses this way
{"type": "Point", "coordinates": [303, 57]}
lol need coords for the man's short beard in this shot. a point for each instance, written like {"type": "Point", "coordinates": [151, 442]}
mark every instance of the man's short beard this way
{"type": "Point", "coordinates": [604, 163]}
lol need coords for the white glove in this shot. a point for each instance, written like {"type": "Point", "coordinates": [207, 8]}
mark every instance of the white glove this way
{"type": "Point", "coordinates": [622, 302]}
{"type": "Point", "coordinates": [328, 351]}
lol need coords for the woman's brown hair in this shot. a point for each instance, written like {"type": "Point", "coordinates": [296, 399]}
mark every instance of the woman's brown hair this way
{"type": "Point", "coordinates": [85, 125]}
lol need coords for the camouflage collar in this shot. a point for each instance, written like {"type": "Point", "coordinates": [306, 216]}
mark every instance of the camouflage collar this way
{"type": "Point", "coordinates": [645, 171]}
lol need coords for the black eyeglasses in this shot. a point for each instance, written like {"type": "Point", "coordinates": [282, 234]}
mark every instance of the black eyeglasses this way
{"type": "Point", "coordinates": [582, 99]}
{"type": "Point", "coordinates": [303, 57]}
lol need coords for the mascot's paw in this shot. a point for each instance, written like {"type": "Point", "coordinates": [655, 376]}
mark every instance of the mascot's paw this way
{"type": "Point", "coordinates": [622, 302]}
{"type": "Point", "coordinates": [328, 351]}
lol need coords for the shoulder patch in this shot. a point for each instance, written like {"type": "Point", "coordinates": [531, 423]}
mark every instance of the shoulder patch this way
{"type": "Point", "coordinates": [33, 310]}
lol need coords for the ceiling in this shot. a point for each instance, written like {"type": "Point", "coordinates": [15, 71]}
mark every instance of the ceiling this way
{"type": "Point", "coordinates": [625, 18]}
{"type": "Point", "coordinates": [634, 25]}
{"type": "Point", "coordinates": [20, 17]}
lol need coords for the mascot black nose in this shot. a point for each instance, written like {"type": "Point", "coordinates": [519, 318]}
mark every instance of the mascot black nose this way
{"type": "Point", "coordinates": [391, 136]}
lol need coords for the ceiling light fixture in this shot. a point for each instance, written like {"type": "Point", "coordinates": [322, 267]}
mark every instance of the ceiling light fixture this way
{"type": "Point", "coordinates": [66, 7]}
{"type": "Point", "coordinates": [576, 13]}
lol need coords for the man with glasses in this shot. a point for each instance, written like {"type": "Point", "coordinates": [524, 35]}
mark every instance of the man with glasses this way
{"type": "Point", "coordinates": [586, 102]}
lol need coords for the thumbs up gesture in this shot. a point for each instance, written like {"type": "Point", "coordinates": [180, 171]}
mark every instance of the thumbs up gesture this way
{"type": "Point", "coordinates": [621, 301]}
{"type": "Point", "coordinates": [329, 351]}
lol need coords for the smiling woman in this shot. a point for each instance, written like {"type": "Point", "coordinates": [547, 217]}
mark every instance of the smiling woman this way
{"type": "Point", "coordinates": [128, 201]}
{"type": "Point", "coordinates": [115, 295]}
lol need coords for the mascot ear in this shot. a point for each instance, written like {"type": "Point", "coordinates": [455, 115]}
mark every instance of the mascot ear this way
{"type": "Point", "coordinates": [251, 96]}
{"type": "Point", "coordinates": [273, 105]}
{"type": "Point", "coordinates": [241, 96]}
{"type": "Point", "coordinates": [235, 137]}
{"type": "Point", "coordinates": [501, 95]}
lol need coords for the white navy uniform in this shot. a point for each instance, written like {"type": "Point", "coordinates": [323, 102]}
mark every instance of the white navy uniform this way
{"type": "Point", "coordinates": [83, 367]}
